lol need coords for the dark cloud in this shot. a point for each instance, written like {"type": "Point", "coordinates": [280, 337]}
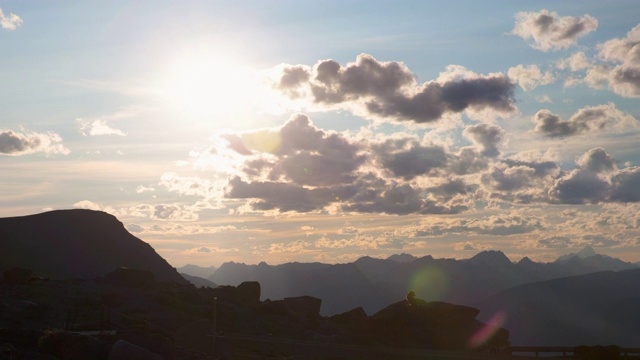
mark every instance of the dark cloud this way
{"type": "Point", "coordinates": [398, 199]}
{"type": "Point", "coordinates": [549, 31]}
{"type": "Point", "coordinates": [389, 90]}
{"type": "Point", "coordinates": [541, 168]}
{"type": "Point", "coordinates": [580, 187]}
{"type": "Point", "coordinates": [626, 185]}
{"type": "Point", "coordinates": [487, 137]}
{"type": "Point", "coordinates": [510, 178]}
{"type": "Point", "coordinates": [468, 161]}
{"type": "Point", "coordinates": [597, 179]}
{"type": "Point", "coordinates": [452, 188]}
{"type": "Point", "coordinates": [284, 197]}
{"type": "Point", "coordinates": [587, 119]}
{"type": "Point", "coordinates": [13, 143]}
{"type": "Point", "coordinates": [406, 158]}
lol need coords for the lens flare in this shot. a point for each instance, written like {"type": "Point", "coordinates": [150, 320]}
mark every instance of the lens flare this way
{"type": "Point", "coordinates": [488, 330]}
{"type": "Point", "coordinates": [430, 283]}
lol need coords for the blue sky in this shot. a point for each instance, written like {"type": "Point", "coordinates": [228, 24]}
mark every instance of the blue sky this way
{"type": "Point", "coordinates": [324, 131]}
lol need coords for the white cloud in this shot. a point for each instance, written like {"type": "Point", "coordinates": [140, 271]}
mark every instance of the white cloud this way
{"type": "Point", "coordinates": [10, 21]}
{"type": "Point", "coordinates": [576, 62]}
{"type": "Point", "coordinates": [530, 77]}
{"type": "Point", "coordinates": [98, 127]}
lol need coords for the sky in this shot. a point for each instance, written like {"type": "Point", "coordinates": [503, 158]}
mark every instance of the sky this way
{"type": "Point", "coordinates": [306, 131]}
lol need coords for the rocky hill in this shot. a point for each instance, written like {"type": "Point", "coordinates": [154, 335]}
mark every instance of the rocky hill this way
{"type": "Point", "coordinates": [76, 244]}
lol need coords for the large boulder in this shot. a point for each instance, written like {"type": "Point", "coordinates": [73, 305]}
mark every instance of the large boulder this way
{"type": "Point", "coordinates": [436, 325]}
{"type": "Point", "coordinates": [304, 307]}
{"type": "Point", "coordinates": [248, 293]}
{"type": "Point", "coordinates": [354, 318]}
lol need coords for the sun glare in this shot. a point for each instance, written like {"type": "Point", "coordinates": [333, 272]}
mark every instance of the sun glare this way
{"type": "Point", "coordinates": [210, 84]}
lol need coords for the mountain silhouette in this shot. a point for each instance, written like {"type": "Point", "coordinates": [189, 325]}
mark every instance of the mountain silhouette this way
{"type": "Point", "coordinates": [593, 309]}
{"type": "Point", "coordinates": [372, 283]}
{"type": "Point", "coordinates": [76, 244]}
{"type": "Point", "coordinates": [195, 270]}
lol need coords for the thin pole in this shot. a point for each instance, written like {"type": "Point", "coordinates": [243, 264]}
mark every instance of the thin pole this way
{"type": "Point", "coordinates": [214, 322]}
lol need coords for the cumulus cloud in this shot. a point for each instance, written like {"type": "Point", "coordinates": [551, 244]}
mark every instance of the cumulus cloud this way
{"type": "Point", "coordinates": [586, 120]}
{"type": "Point", "coordinates": [530, 77]}
{"type": "Point", "coordinates": [624, 76]}
{"type": "Point", "coordinates": [520, 181]}
{"type": "Point", "coordinates": [313, 170]}
{"type": "Point", "coordinates": [597, 179]}
{"type": "Point", "coordinates": [407, 158]}
{"type": "Point", "coordinates": [388, 90]}
{"type": "Point", "coordinates": [10, 21]}
{"type": "Point", "coordinates": [487, 137]}
{"type": "Point", "coordinates": [576, 62]}
{"type": "Point", "coordinates": [580, 187]}
{"type": "Point", "coordinates": [14, 143]}
{"type": "Point", "coordinates": [98, 127]}
{"type": "Point", "coordinates": [550, 31]}
{"type": "Point", "coordinates": [597, 160]}
{"type": "Point", "coordinates": [625, 185]}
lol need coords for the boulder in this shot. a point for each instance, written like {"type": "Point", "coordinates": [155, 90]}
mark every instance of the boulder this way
{"type": "Point", "coordinates": [355, 318]}
{"type": "Point", "coordinates": [248, 293]}
{"type": "Point", "coordinates": [435, 325]}
{"type": "Point", "coordinates": [306, 307]}
{"type": "Point", "coordinates": [128, 277]}
{"type": "Point", "coordinates": [124, 350]}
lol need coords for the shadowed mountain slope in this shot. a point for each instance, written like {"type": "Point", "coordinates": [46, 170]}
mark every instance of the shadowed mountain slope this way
{"type": "Point", "coordinates": [595, 309]}
{"type": "Point", "coordinates": [71, 244]}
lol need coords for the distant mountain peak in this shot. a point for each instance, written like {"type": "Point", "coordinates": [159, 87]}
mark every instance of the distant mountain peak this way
{"type": "Point", "coordinates": [490, 257]}
{"type": "Point", "coordinates": [525, 261]}
{"type": "Point", "coordinates": [585, 253]}
{"type": "Point", "coordinates": [402, 258]}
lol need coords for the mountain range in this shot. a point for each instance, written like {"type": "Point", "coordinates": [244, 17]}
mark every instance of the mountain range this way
{"type": "Point", "coordinates": [581, 298]}
{"type": "Point", "coordinates": [372, 283]}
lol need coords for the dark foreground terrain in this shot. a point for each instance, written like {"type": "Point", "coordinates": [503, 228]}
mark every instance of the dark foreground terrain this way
{"type": "Point", "coordinates": [128, 315]}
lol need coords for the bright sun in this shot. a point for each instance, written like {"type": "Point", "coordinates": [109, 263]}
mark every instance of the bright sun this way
{"type": "Point", "coordinates": [206, 84]}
